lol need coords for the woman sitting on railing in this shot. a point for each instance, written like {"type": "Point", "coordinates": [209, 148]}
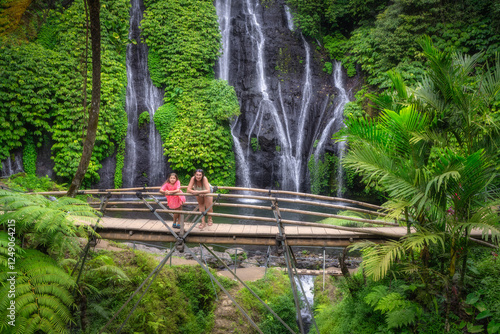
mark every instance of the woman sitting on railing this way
{"type": "Point", "coordinates": [199, 186]}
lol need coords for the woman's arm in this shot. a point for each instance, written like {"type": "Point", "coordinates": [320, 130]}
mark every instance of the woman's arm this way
{"type": "Point", "coordinates": [190, 186]}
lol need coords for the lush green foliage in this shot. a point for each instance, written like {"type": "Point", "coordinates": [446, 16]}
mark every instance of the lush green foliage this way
{"type": "Point", "coordinates": [143, 119]}
{"type": "Point", "coordinates": [222, 101]}
{"type": "Point", "coordinates": [165, 119]}
{"type": "Point", "coordinates": [380, 35]}
{"type": "Point", "coordinates": [29, 156]}
{"type": "Point", "coordinates": [322, 174]}
{"type": "Point", "coordinates": [26, 182]}
{"type": "Point", "coordinates": [42, 90]}
{"type": "Point", "coordinates": [434, 150]}
{"type": "Point", "coordinates": [377, 308]}
{"type": "Point", "coordinates": [46, 224]}
{"type": "Point", "coordinates": [180, 300]}
{"type": "Point", "coordinates": [184, 41]}
{"type": "Point", "coordinates": [276, 291]}
{"type": "Point", "coordinates": [42, 295]}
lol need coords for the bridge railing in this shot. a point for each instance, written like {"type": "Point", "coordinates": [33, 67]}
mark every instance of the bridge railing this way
{"type": "Point", "coordinates": [125, 200]}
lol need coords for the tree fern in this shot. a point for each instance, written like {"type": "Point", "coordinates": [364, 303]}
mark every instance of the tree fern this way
{"type": "Point", "coordinates": [398, 310]}
{"type": "Point", "coordinates": [42, 297]}
{"type": "Point", "coordinates": [47, 223]}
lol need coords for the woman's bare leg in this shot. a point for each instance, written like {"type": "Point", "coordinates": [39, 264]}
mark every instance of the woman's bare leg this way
{"type": "Point", "coordinates": [201, 205]}
{"type": "Point", "coordinates": [208, 204]}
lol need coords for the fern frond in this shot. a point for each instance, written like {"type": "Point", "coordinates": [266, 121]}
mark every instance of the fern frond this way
{"type": "Point", "coordinates": [42, 295]}
{"type": "Point", "coordinates": [111, 270]}
{"type": "Point", "coordinates": [378, 292]}
{"type": "Point", "coordinates": [50, 223]}
{"type": "Point", "coordinates": [404, 315]}
{"type": "Point", "coordinates": [390, 302]}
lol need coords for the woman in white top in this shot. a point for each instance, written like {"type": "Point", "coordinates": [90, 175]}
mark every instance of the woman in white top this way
{"type": "Point", "coordinates": [199, 186]}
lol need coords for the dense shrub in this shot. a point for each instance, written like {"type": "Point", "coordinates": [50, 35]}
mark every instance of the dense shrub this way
{"type": "Point", "coordinates": [184, 42]}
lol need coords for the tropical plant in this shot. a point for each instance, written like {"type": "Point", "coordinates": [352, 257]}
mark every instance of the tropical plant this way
{"type": "Point", "coordinates": [399, 311]}
{"type": "Point", "coordinates": [101, 270]}
{"type": "Point", "coordinates": [42, 296]}
{"type": "Point", "coordinates": [433, 155]}
{"type": "Point", "coordinates": [45, 223]}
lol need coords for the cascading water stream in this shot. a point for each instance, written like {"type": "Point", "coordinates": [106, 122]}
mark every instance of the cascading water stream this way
{"type": "Point", "coordinates": [289, 18]}
{"type": "Point", "coordinates": [223, 8]}
{"type": "Point", "coordinates": [338, 113]}
{"type": "Point", "coordinates": [141, 96]}
{"type": "Point", "coordinates": [10, 167]}
{"type": "Point", "coordinates": [308, 285]}
{"type": "Point", "coordinates": [291, 153]}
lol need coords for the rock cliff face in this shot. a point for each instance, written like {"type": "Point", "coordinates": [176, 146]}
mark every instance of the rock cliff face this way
{"type": "Point", "coordinates": [286, 98]}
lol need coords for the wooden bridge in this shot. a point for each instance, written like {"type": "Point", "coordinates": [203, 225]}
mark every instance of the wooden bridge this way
{"type": "Point", "coordinates": [267, 225]}
{"type": "Point", "coordinates": [124, 212]}
{"type": "Point", "coordinates": [241, 234]}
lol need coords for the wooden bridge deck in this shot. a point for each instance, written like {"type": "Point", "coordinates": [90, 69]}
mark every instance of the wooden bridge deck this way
{"type": "Point", "coordinates": [154, 230]}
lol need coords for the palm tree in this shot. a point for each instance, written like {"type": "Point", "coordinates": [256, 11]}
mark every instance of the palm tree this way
{"type": "Point", "coordinates": [434, 154]}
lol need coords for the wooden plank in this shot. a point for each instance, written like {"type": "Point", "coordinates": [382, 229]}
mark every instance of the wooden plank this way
{"type": "Point", "coordinates": [247, 229]}
{"type": "Point", "coordinates": [331, 232]}
{"type": "Point", "coordinates": [263, 229]}
{"type": "Point", "coordinates": [158, 226]}
{"type": "Point", "coordinates": [253, 230]}
{"type": "Point", "coordinates": [291, 230]}
{"type": "Point", "coordinates": [305, 230]}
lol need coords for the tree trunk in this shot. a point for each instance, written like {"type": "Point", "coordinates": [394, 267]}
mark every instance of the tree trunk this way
{"type": "Point", "coordinates": [343, 265]}
{"type": "Point", "coordinates": [88, 145]}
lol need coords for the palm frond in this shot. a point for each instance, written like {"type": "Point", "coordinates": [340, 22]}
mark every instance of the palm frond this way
{"type": "Point", "coordinates": [484, 220]}
{"type": "Point", "coordinates": [378, 258]}
{"type": "Point", "coordinates": [418, 240]}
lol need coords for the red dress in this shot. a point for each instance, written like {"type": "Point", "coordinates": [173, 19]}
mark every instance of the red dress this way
{"type": "Point", "coordinates": [174, 201]}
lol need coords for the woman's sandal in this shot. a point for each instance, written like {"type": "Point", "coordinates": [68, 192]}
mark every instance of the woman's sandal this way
{"type": "Point", "coordinates": [210, 221]}
{"type": "Point", "coordinates": [202, 226]}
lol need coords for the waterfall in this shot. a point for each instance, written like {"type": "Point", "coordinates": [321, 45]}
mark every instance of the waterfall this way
{"type": "Point", "coordinates": [337, 118]}
{"type": "Point", "coordinates": [287, 112]}
{"type": "Point", "coordinates": [308, 285]}
{"type": "Point", "coordinates": [242, 167]}
{"type": "Point", "coordinates": [291, 151]}
{"type": "Point", "coordinates": [144, 162]}
{"type": "Point", "coordinates": [289, 18]}
{"type": "Point", "coordinates": [10, 167]}
{"type": "Point", "coordinates": [223, 8]}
